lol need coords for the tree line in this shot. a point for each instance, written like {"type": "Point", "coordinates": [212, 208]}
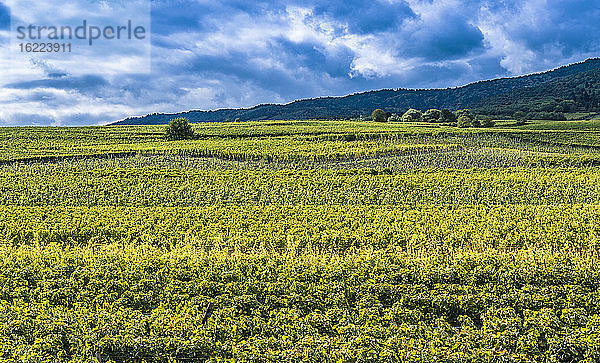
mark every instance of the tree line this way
{"type": "Point", "coordinates": [461, 118]}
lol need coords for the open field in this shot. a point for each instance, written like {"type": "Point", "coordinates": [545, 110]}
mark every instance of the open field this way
{"type": "Point", "coordinates": [301, 241]}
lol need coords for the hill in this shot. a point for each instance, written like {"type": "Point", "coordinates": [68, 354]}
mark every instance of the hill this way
{"type": "Point", "coordinates": [569, 88]}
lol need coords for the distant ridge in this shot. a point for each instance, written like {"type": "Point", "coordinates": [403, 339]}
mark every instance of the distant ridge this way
{"type": "Point", "coordinates": [570, 88]}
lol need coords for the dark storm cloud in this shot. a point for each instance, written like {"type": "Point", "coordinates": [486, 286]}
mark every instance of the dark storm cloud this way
{"type": "Point", "coordinates": [4, 17]}
{"type": "Point", "coordinates": [570, 26]}
{"type": "Point", "coordinates": [454, 38]}
{"type": "Point", "coordinates": [365, 17]}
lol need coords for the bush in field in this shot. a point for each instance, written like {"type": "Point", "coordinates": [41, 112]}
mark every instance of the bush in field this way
{"type": "Point", "coordinates": [432, 115]}
{"type": "Point", "coordinates": [466, 112]}
{"type": "Point", "coordinates": [487, 121]}
{"type": "Point", "coordinates": [395, 118]}
{"type": "Point", "coordinates": [464, 121]}
{"type": "Point", "coordinates": [412, 115]}
{"type": "Point", "coordinates": [179, 129]}
{"type": "Point", "coordinates": [379, 115]}
{"type": "Point", "coordinates": [555, 116]}
{"type": "Point", "coordinates": [520, 117]}
{"type": "Point", "coordinates": [448, 116]}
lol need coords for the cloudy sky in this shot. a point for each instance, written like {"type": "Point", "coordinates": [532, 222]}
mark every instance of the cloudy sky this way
{"type": "Point", "coordinates": [209, 54]}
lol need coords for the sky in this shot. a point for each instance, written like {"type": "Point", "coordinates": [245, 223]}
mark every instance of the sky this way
{"type": "Point", "coordinates": [210, 54]}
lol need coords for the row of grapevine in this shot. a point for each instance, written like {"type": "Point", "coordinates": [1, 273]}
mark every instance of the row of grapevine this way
{"type": "Point", "coordinates": [183, 187]}
{"type": "Point", "coordinates": [308, 229]}
{"type": "Point", "coordinates": [124, 303]}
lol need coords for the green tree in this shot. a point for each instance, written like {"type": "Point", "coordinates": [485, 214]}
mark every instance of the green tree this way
{"type": "Point", "coordinates": [432, 115]}
{"type": "Point", "coordinates": [520, 117]}
{"type": "Point", "coordinates": [448, 116]}
{"type": "Point", "coordinates": [237, 119]}
{"type": "Point", "coordinates": [395, 118]}
{"type": "Point", "coordinates": [464, 121]}
{"type": "Point", "coordinates": [412, 115]}
{"type": "Point", "coordinates": [465, 112]}
{"type": "Point", "coordinates": [379, 115]}
{"type": "Point", "coordinates": [566, 106]}
{"type": "Point", "coordinates": [487, 121]}
{"type": "Point", "coordinates": [475, 122]}
{"type": "Point", "coordinates": [179, 129]}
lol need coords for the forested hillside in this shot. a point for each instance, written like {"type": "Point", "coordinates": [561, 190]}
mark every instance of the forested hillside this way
{"type": "Point", "coordinates": [567, 89]}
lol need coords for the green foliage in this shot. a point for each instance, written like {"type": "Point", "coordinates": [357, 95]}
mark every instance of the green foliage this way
{"type": "Point", "coordinates": [238, 119]}
{"type": "Point", "coordinates": [466, 113]}
{"type": "Point", "coordinates": [487, 121]}
{"type": "Point", "coordinates": [432, 115]}
{"type": "Point", "coordinates": [520, 117]}
{"type": "Point", "coordinates": [379, 115]}
{"type": "Point", "coordinates": [179, 129]}
{"type": "Point", "coordinates": [301, 241]}
{"type": "Point", "coordinates": [571, 93]}
{"type": "Point", "coordinates": [395, 118]}
{"type": "Point", "coordinates": [448, 116]}
{"type": "Point", "coordinates": [251, 228]}
{"type": "Point", "coordinates": [464, 121]}
{"type": "Point", "coordinates": [130, 304]}
{"type": "Point", "coordinates": [555, 116]}
{"type": "Point", "coordinates": [412, 115]}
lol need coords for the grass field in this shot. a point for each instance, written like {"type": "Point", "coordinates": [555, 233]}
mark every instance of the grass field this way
{"type": "Point", "coordinates": [301, 241]}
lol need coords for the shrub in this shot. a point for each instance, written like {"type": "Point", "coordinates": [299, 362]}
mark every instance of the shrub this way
{"type": "Point", "coordinates": [412, 115]}
{"type": "Point", "coordinates": [556, 116]}
{"type": "Point", "coordinates": [464, 121]}
{"type": "Point", "coordinates": [179, 129]}
{"type": "Point", "coordinates": [487, 121]}
{"type": "Point", "coordinates": [379, 115]}
{"type": "Point", "coordinates": [432, 115]}
{"type": "Point", "coordinates": [448, 116]}
{"type": "Point", "coordinates": [395, 118]}
{"type": "Point", "coordinates": [466, 113]}
{"type": "Point", "coordinates": [520, 117]}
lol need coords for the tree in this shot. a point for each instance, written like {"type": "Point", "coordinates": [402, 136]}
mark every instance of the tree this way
{"type": "Point", "coordinates": [412, 115]}
{"type": "Point", "coordinates": [179, 129]}
{"type": "Point", "coordinates": [395, 118]}
{"type": "Point", "coordinates": [465, 112]}
{"type": "Point", "coordinates": [545, 115]}
{"type": "Point", "coordinates": [475, 122]}
{"type": "Point", "coordinates": [520, 117]}
{"type": "Point", "coordinates": [566, 106]}
{"type": "Point", "coordinates": [487, 121]}
{"type": "Point", "coordinates": [464, 121]}
{"type": "Point", "coordinates": [448, 116]}
{"type": "Point", "coordinates": [432, 115]}
{"type": "Point", "coordinates": [379, 115]}
{"type": "Point", "coordinates": [237, 119]}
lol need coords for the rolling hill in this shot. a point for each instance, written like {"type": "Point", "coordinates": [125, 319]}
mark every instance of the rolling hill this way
{"type": "Point", "coordinates": [569, 88]}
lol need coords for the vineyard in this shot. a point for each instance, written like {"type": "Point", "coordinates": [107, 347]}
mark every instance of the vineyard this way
{"type": "Point", "coordinates": [301, 241]}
